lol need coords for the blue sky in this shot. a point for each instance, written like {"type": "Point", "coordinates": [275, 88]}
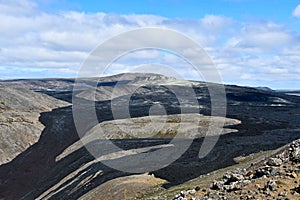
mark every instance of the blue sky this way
{"type": "Point", "coordinates": [239, 9]}
{"type": "Point", "coordinates": [252, 42]}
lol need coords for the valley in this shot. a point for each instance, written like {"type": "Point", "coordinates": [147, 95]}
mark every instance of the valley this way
{"type": "Point", "coordinates": [49, 160]}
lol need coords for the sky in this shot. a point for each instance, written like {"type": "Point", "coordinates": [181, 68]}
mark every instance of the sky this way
{"type": "Point", "coordinates": [251, 42]}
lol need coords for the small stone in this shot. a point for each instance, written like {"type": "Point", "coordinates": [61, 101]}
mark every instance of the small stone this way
{"type": "Point", "coordinates": [294, 175]}
{"type": "Point", "coordinates": [246, 182]}
{"type": "Point", "coordinates": [217, 185]}
{"type": "Point", "coordinates": [248, 197]}
{"type": "Point", "coordinates": [183, 193]}
{"type": "Point", "coordinates": [271, 184]}
{"type": "Point", "coordinates": [237, 177]}
{"type": "Point", "coordinates": [296, 190]}
{"type": "Point", "coordinates": [282, 194]}
{"type": "Point", "coordinates": [197, 188]}
{"type": "Point", "coordinates": [274, 162]}
{"type": "Point", "coordinates": [267, 193]}
{"type": "Point", "coordinates": [191, 192]}
{"type": "Point", "coordinates": [275, 171]}
{"type": "Point", "coordinates": [250, 173]}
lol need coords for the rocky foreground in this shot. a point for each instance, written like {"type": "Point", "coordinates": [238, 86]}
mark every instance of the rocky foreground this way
{"type": "Point", "coordinates": [275, 178]}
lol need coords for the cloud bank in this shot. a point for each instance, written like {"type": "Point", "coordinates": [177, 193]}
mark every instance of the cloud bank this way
{"type": "Point", "coordinates": [35, 43]}
{"type": "Point", "coordinates": [296, 12]}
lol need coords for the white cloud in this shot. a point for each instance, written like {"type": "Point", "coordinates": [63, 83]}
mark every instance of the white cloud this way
{"type": "Point", "coordinates": [262, 37]}
{"type": "Point", "coordinates": [215, 23]}
{"type": "Point", "coordinates": [296, 12]}
{"type": "Point", "coordinates": [18, 7]}
{"type": "Point", "coordinates": [244, 52]}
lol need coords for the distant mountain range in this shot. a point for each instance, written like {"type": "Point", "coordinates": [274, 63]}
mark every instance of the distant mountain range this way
{"type": "Point", "coordinates": [290, 92]}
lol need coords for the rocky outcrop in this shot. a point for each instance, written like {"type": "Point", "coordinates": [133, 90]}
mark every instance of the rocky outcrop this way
{"type": "Point", "coordinates": [278, 177]}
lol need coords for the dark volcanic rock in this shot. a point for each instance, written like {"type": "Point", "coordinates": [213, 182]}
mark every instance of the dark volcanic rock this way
{"type": "Point", "coordinates": [269, 120]}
